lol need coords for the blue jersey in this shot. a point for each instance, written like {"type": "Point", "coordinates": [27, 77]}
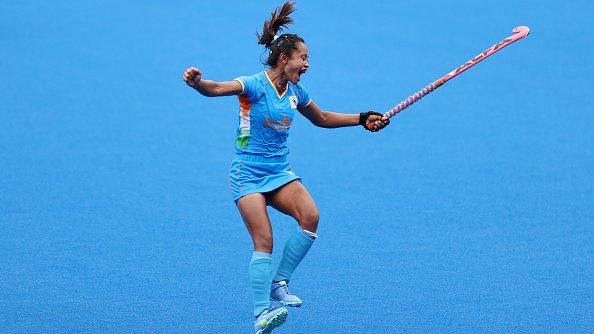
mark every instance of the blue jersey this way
{"type": "Point", "coordinates": [265, 115]}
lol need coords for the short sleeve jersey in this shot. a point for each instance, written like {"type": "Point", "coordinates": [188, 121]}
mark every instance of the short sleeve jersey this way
{"type": "Point", "coordinates": [265, 115]}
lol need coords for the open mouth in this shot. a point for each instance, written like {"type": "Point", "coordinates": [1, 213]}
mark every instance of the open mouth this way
{"type": "Point", "coordinates": [300, 73]}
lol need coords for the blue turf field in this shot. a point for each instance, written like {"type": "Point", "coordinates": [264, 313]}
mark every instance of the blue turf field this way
{"type": "Point", "coordinates": [473, 212]}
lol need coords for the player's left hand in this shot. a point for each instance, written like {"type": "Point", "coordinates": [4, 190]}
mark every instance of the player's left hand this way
{"type": "Point", "coordinates": [373, 121]}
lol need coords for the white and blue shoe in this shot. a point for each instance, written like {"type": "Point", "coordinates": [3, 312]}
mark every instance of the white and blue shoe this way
{"type": "Point", "coordinates": [270, 319]}
{"type": "Point", "coordinates": [281, 293]}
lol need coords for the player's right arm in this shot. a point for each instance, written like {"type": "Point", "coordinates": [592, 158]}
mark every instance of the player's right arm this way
{"type": "Point", "coordinates": [193, 78]}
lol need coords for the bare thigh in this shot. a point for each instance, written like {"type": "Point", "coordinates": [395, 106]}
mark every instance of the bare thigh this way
{"type": "Point", "coordinates": [294, 200]}
{"type": "Point", "coordinates": [252, 208]}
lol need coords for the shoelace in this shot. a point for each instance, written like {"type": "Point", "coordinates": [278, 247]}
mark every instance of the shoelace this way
{"type": "Point", "coordinates": [285, 287]}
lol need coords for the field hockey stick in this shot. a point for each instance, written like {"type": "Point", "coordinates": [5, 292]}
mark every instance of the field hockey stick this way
{"type": "Point", "coordinates": [519, 32]}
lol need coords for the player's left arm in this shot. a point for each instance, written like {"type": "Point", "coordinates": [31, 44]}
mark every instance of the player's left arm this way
{"type": "Point", "coordinates": [328, 119]}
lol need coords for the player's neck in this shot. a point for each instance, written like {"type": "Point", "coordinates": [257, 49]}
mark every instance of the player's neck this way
{"type": "Point", "coordinates": [279, 79]}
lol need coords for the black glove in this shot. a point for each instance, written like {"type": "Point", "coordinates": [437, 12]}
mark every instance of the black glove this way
{"type": "Point", "coordinates": [364, 116]}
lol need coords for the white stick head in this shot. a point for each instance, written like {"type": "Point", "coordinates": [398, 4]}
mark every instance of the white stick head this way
{"type": "Point", "coordinates": [521, 30]}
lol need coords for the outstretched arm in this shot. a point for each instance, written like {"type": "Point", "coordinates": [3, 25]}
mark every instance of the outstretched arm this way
{"type": "Point", "coordinates": [193, 78]}
{"type": "Point", "coordinates": [328, 119]}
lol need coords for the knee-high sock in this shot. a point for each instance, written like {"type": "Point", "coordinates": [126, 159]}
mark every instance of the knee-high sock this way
{"type": "Point", "coordinates": [261, 276]}
{"type": "Point", "coordinates": [295, 250]}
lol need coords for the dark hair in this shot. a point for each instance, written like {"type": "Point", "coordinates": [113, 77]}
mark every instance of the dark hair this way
{"type": "Point", "coordinates": [285, 43]}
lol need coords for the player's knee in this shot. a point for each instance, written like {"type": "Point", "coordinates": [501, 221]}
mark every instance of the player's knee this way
{"type": "Point", "coordinates": [309, 220]}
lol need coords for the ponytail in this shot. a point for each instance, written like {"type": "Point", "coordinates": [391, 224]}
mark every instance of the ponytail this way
{"type": "Point", "coordinates": [279, 19]}
{"type": "Point", "coordinates": [285, 43]}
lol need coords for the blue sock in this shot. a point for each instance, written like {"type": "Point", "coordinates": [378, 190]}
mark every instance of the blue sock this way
{"type": "Point", "coordinates": [295, 249]}
{"type": "Point", "coordinates": [261, 276]}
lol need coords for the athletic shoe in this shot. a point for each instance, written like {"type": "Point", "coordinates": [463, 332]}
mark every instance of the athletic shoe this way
{"type": "Point", "coordinates": [280, 292]}
{"type": "Point", "coordinates": [270, 319]}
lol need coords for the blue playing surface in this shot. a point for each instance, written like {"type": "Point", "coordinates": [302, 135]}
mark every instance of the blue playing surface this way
{"type": "Point", "coordinates": [472, 212]}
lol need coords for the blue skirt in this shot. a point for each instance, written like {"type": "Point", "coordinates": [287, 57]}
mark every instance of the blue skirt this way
{"type": "Point", "coordinates": [257, 174]}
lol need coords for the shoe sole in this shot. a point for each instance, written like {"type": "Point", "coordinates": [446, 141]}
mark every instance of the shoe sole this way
{"type": "Point", "coordinates": [275, 321]}
{"type": "Point", "coordinates": [289, 304]}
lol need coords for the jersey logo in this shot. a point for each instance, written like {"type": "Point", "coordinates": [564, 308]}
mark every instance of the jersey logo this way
{"type": "Point", "coordinates": [293, 100]}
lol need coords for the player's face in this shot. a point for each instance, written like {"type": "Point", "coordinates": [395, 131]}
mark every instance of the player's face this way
{"type": "Point", "coordinates": [298, 63]}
